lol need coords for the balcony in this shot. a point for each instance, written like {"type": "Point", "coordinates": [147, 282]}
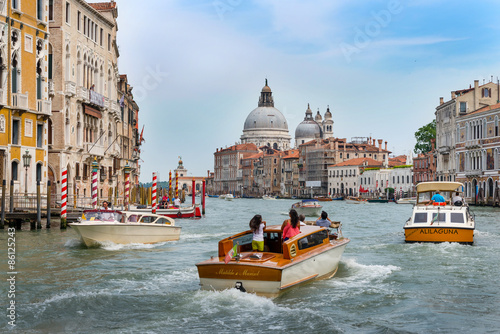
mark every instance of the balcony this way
{"type": "Point", "coordinates": [444, 150]}
{"type": "Point", "coordinates": [472, 144]}
{"type": "Point", "coordinates": [473, 173]}
{"type": "Point", "coordinates": [44, 107]}
{"type": "Point", "coordinates": [114, 150]}
{"type": "Point", "coordinates": [95, 149]}
{"type": "Point", "coordinates": [69, 88]}
{"type": "Point", "coordinates": [82, 94]}
{"type": "Point", "coordinates": [20, 101]}
{"type": "Point", "coordinates": [96, 98]}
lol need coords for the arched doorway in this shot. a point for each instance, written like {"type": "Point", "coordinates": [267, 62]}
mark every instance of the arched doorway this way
{"type": "Point", "coordinates": [53, 188]}
{"type": "Point", "coordinates": [473, 191]}
{"type": "Point", "coordinates": [342, 188]}
{"type": "Point", "coordinates": [489, 194]}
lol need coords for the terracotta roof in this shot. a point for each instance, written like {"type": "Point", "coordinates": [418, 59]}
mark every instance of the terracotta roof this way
{"type": "Point", "coordinates": [359, 162]}
{"type": "Point", "coordinates": [486, 108]}
{"type": "Point", "coordinates": [240, 147]}
{"type": "Point", "coordinates": [291, 154]}
{"type": "Point", "coordinates": [103, 5]}
{"type": "Point", "coordinates": [255, 156]}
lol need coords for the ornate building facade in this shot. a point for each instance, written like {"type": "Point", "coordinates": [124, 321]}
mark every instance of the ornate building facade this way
{"type": "Point", "coordinates": [24, 86]}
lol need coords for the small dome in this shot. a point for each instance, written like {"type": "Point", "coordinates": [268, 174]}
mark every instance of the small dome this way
{"type": "Point", "coordinates": [307, 129]}
{"type": "Point", "coordinates": [328, 114]}
{"type": "Point", "coordinates": [266, 89]}
{"type": "Point", "coordinates": [318, 117]}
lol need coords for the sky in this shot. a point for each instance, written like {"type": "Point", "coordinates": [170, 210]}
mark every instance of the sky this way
{"type": "Point", "coordinates": [198, 67]}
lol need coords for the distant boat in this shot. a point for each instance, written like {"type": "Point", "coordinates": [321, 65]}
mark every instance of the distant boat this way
{"type": "Point", "coordinates": [355, 200]}
{"type": "Point", "coordinates": [409, 200]}
{"type": "Point", "coordinates": [308, 207]}
{"type": "Point", "coordinates": [339, 198]}
{"type": "Point", "coordinates": [378, 200]}
{"type": "Point", "coordinates": [323, 199]}
{"type": "Point", "coordinates": [215, 196]}
{"type": "Point", "coordinates": [229, 197]}
{"type": "Point", "coordinates": [268, 197]}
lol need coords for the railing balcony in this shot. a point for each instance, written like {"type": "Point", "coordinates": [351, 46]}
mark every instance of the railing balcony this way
{"type": "Point", "coordinates": [82, 94]}
{"type": "Point", "coordinates": [69, 88]}
{"type": "Point", "coordinates": [20, 101]}
{"type": "Point", "coordinates": [444, 150]}
{"type": "Point", "coordinates": [44, 107]}
{"type": "Point", "coordinates": [473, 173]}
{"type": "Point", "coordinates": [474, 143]}
{"type": "Point", "coordinates": [96, 98]}
{"type": "Point", "coordinates": [95, 149]}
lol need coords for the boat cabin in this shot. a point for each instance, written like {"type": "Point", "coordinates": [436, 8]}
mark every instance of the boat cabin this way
{"type": "Point", "coordinates": [309, 238]}
{"type": "Point", "coordinates": [426, 190]}
{"type": "Point", "coordinates": [124, 217]}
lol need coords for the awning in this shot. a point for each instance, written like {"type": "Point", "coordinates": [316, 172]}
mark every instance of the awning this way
{"type": "Point", "coordinates": [91, 111]}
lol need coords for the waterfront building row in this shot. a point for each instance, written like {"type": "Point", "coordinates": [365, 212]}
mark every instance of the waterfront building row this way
{"type": "Point", "coordinates": [65, 104]}
{"type": "Point", "coordinates": [468, 141]}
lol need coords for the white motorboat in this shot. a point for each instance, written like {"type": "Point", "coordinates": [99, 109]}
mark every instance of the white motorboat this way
{"type": "Point", "coordinates": [439, 222]}
{"type": "Point", "coordinates": [229, 197]}
{"type": "Point", "coordinates": [308, 207]}
{"type": "Point", "coordinates": [125, 227]}
{"type": "Point", "coordinates": [268, 197]}
{"type": "Point", "coordinates": [407, 200]}
{"type": "Point", "coordinates": [312, 254]}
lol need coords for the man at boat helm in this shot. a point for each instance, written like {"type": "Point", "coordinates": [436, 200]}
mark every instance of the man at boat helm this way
{"type": "Point", "coordinates": [437, 198]}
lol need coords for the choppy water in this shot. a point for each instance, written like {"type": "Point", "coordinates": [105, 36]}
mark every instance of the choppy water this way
{"type": "Point", "coordinates": [383, 285]}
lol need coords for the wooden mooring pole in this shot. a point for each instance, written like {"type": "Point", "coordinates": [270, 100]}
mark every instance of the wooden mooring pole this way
{"type": "Point", "coordinates": [38, 206]}
{"type": "Point", "coordinates": [11, 192]}
{"type": "Point", "coordinates": [2, 222]}
{"type": "Point", "coordinates": [48, 204]}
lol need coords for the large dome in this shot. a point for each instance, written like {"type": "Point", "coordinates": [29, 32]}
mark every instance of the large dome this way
{"type": "Point", "coordinates": [265, 118]}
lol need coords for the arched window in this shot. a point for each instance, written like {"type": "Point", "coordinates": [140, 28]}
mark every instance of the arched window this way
{"type": "Point", "coordinates": [496, 127]}
{"type": "Point", "coordinates": [39, 172]}
{"type": "Point", "coordinates": [15, 74]}
{"type": "Point", "coordinates": [485, 129]}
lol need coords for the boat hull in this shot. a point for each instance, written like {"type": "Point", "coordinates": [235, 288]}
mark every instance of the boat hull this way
{"type": "Point", "coordinates": [119, 233]}
{"type": "Point", "coordinates": [439, 234]}
{"type": "Point", "coordinates": [271, 281]}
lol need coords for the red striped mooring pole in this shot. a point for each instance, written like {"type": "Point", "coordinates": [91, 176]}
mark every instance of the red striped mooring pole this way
{"type": "Point", "coordinates": [153, 194]}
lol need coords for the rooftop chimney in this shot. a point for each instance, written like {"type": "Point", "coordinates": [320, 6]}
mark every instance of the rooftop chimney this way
{"type": "Point", "coordinates": [380, 145]}
{"type": "Point", "coordinates": [386, 146]}
{"type": "Point", "coordinates": [453, 95]}
{"type": "Point", "coordinates": [441, 101]}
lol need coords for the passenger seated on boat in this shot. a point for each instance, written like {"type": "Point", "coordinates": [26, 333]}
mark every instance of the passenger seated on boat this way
{"type": "Point", "coordinates": [291, 226]}
{"type": "Point", "coordinates": [457, 200]}
{"type": "Point", "coordinates": [302, 219]}
{"type": "Point", "coordinates": [323, 220]}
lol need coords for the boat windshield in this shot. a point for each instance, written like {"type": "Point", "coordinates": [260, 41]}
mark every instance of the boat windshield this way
{"type": "Point", "coordinates": [103, 215]}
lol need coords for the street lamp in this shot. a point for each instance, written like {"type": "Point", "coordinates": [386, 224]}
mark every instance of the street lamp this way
{"type": "Point", "coordinates": [26, 164]}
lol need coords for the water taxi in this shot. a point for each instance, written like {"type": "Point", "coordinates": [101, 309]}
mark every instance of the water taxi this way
{"type": "Point", "coordinates": [192, 211]}
{"type": "Point", "coordinates": [268, 197]}
{"type": "Point", "coordinates": [310, 255]}
{"type": "Point", "coordinates": [124, 227]}
{"type": "Point", "coordinates": [355, 200]}
{"type": "Point", "coordinates": [308, 207]}
{"type": "Point", "coordinates": [439, 222]}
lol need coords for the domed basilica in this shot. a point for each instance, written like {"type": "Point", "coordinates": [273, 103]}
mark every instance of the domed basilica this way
{"type": "Point", "coordinates": [266, 125]}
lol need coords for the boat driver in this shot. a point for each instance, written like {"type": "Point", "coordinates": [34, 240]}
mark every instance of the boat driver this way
{"type": "Point", "coordinates": [457, 200]}
{"type": "Point", "coordinates": [437, 198]}
{"type": "Point", "coordinates": [106, 215]}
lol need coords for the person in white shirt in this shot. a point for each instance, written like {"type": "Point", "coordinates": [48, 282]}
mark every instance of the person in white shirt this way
{"type": "Point", "coordinates": [257, 226]}
{"type": "Point", "coordinates": [177, 202]}
{"type": "Point", "coordinates": [457, 200]}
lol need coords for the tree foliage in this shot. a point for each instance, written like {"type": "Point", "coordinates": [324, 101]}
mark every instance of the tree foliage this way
{"type": "Point", "coordinates": [424, 136]}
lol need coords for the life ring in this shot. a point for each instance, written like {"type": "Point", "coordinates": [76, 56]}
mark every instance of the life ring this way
{"type": "Point", "coordinates": [179, 214]}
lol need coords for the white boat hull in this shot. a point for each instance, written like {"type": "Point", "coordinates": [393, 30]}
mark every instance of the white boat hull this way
{"type": "Point", "coordinates": [182, 212]}
{"type": "Point", "coordinates": [120, 233]}
{"type": "Point", "coordinates": [309, 211]}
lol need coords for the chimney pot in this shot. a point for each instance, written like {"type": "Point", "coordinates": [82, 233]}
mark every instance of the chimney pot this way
{"type": "Point", "coordinates": [441, 101]}
{"type": "Point", "coordinates": [386, 146]}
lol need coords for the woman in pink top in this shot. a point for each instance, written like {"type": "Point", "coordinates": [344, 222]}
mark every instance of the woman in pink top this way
{"type": "Point", "coordinates": [291, 226]}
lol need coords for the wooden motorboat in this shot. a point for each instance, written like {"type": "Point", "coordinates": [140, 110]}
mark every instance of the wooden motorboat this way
{"type": "Point", "coordinates": [308, 207]}
{"type": "Point", "coordinates": [339, 198]}
{"type": "Point", "coordinates": [172, 211]}
{"type": "Point", "coordinates": [124, 227]}
{"type": "Point", "coordinates": [439, 222]}
{"type": "Point", "coordinates": [310, 255]}
{"type": "Point", "coordinates": [323, 199]}
{"type": "Point", "coordinates": [355, 200]}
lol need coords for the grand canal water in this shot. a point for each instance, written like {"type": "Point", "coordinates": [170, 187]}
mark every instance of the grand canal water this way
{"type": "Point", "coordinates": [383, 285]}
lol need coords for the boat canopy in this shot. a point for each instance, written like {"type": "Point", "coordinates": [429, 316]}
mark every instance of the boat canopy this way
{"type": "Point", "coordinates": [438, 186]}
{"type": "Point", "coordinates": [309, 200]}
